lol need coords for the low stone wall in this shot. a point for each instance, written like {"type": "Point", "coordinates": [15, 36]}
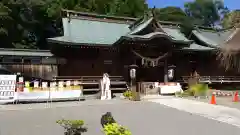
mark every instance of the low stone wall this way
{"type": "Point", "coordinates": [148, 88]}
{"type": "Point", "coordinates": [222, 92]}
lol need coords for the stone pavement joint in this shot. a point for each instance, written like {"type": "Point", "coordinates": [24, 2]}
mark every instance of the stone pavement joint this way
{"type": "Point", "coordinates": [216, 112]}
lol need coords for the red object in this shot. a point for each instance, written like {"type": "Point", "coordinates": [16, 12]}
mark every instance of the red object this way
{"type": "Point", "coordinates": [213, 100]}
{"type": "Point", "coordinates": [235, 97]}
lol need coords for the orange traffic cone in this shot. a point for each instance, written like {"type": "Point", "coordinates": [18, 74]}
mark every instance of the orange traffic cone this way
{"type": "Point", "coordinates": [213, 99]}
{"type": "Point", "coordinates": [235, 97]}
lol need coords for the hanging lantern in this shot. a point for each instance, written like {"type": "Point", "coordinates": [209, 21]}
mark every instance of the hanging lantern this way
{"type": "Point", "coordinates": [133, 73]}
{"type": "Point", "coordinates": [171, 72]}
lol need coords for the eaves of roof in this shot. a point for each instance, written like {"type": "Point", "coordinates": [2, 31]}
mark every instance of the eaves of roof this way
{"type": "Point", "coordinates": [197, 47]}
{"type": "Point", "coordinates": [25, 52]}
{"type": "Point", "coordinates": [68, 42]}
{"type": "Point", "coordinates": [153, 35]}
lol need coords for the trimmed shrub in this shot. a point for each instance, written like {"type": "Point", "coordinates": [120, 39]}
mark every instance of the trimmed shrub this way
{"type": "Point", "coordinates": [115, 129]}
{"type": "Point", "coordinates": [128, 94]}
{"type": "Point", "coordinates": [199, 89]}
{"type": "Point", "coordinates": [72, 127]}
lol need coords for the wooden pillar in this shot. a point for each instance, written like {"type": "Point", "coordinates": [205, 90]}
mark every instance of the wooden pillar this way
{"type": "Point", "coordinates": [165, 71]}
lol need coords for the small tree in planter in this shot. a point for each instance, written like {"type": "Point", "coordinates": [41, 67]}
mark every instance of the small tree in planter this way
{"type": "Point", "coordinates": [110, 126]}
{"type": "Point", "coordinates": [128, 94]}
{"type": "Point", "coordinates": [72, 127]}
{"type": "Point", "coordinates": [107, 118]}
{"type": "Point", "coordinates": [115, 129]}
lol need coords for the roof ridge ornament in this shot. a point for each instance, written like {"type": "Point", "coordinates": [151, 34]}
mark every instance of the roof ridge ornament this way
{"type": "Point", "coordinates": [153, 12]}
{"type": "Point", "coordinates": [156, 20]}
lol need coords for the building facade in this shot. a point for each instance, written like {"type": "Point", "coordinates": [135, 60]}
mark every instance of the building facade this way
{"type": "Point", "coordinates": [94, 44]}
{"type": "Point", "coordinates": [31, 63]}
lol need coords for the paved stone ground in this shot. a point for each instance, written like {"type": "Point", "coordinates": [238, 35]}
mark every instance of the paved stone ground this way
{"type": "Point", "coordinates": [142, 118]}
{"type": "Point", "coordinates": [225, 101]}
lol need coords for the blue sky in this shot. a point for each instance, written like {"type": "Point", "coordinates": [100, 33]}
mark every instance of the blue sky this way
{"type": "Point", "coordinates": [231, 4]}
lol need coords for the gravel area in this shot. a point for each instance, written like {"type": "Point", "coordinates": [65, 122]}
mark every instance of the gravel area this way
{"type": "Point", "coordinates": [142, 118]}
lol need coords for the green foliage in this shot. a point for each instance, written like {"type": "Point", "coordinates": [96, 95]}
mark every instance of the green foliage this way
{"type": "Point", "coordinates": [231, 19]}
{"type": "Point", "coordinates": [27, 24]}
{"type": "Point", "coordinates": [205, 12]}
{"type": "Point", "coordinates": [115, 129]}
{"type": "Point", "coordinates": [172, 14]}
{"type": "Point", "coordinates": [128, 94]}
{"type": "Point", "coordinates": [72, 127]}
{"type": "Point", "coordinates": [185, 93]}
{"type": "Point", "coordinates": [198, 89]}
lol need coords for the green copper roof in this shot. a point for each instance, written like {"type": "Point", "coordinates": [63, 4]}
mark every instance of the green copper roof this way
{"type": "Point", "coordinates": [172, 33]}
{"type": "Point", "coordinates": [154, 35]}
{"type": "Point", "coordinates": [175, 33]}
{"type": "Point", "coordinates": [213, 38]}
{"type": "Point", "coordinates": [140, 26]}
{"type": "Point", "coordinates": [92, 32]}
{"type": "Point", "coordinates": [89, 31]}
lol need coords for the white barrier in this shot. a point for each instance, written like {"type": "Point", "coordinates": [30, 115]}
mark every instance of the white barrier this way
{"type": "Point", "coordinates": [169, 88]}
{"type": "Point", "coordinates": [38, 93]}
{"type": "Point", "coordinates": [48, 95]}
{"type": "Point", "coordinates": [7, 88]}
{"type": "Point", "coordinates": [36, 84]}
{"type": "Point", "coordinates": [61, 85]}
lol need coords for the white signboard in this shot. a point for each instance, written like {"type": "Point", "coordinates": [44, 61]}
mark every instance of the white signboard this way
{"type": "Point", "coordinates": [7, 86]}
{"type": "Point", "coordinates": [36, 84]}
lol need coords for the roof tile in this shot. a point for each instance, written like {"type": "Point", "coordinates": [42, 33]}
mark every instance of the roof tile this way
{"type": "Point", "coordinates": [93, 32]}
{"type": "Point", "coordinates": [213, 38]}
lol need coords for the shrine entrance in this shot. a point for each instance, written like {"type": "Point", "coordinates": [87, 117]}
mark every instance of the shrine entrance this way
{"type": "Point", "coordinates": [150, 47]}
{"type": "Point", "coordinates": [150, 57]}
{"type": "Point", "coordinates": [151, 74]}
{"type": "Point", "coordinates": [151, 68]}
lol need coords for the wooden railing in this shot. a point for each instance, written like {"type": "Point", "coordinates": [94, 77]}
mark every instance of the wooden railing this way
{"type": "Point", "coordinates": [86, 78]}
{"type": "Point", "coordinates": [214, 79]}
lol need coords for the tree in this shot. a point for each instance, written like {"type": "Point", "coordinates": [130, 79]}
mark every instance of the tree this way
{"type": "Point", "coordinates": [231, 19]}
{"type": "Point", "coordinates": [176, 14]}
{"type": "Point", "coordinates": [28, 23]}
{"type": "Point", "coordinates": [229, 53]}
{"type": "Point", "coordinates": [205, 12]}
{"type": "Point", "coordinates": [5, 25]}
{"type": "Point", "coordinates": [172, 14]}
{"type": "Point", "coordinates": [23, 30]}
{"type": "Point", "coordinates": [128, 8]}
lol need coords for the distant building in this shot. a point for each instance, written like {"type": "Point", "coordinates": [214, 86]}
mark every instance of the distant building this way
{"type": "Point", "coordinates": [32, 63]}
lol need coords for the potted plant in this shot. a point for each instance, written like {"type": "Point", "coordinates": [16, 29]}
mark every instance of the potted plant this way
{"type": "Point", "coordinates": [72, 127]}
{"type": "Point", "coordinates": [115, 129]}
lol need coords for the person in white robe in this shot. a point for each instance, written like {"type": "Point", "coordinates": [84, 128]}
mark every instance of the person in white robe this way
{"type": "Point", "coordinates": [105, 86]}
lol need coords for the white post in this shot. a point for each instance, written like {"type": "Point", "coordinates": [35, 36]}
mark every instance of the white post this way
{"type": "Point", "coordinates": [107, 89]}
{"type": "Point", "coordinates": [102, 89]}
